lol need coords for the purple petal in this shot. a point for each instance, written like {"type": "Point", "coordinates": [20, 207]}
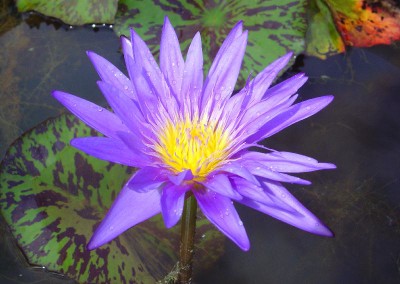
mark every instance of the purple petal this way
{"type": "Point", "coordinates": [93, 115]}
{"type": "Point", "coordinates": [123, 106]}
{"type": "Point", "coordinates": [302, 219]}
{"type": "Point", "coordinates": [264, 79]}
{"type": "Point", "coordinates": [223, 74]}
{"type": "Point", "coordinates": [192, 83]}
{"type": "Point", "coordinates": [109, 149]}
{"type": "Point", "coordinates": [251, 123]}
{"type": "Point", "coordinates": [220, 183]}
{"type": "Point", "coordinates": [142, 88]}
{"type": "Point", "coordinates": [135, 143]}
{"type": "Point", "coordinates": [150, 89]}
{"type": "Point", "coordinates": [171, 60]}
{"type": "Point", "coordinates": [172, 201]}
{"type": "Point", "coordinates": [287, 162]}
{"type": "Point", "coordinates": [260, 113]}
{"type": "Point", "coordinates": [179, 178]}
{"type": "Point", "coordinates": [146, 179]}
{"type": "Point", "coordinates": [126, 46]}
{"type": "Point", "coordinates": [221, 212]}
{"type": "Point", "coordinates": [129, 209]}
{"type": "Point", "coordinates": [264, 170]}
{"type": "Point", "coordinates": [142, 55]}
{"type": "Point", "coordinates": [294, 114]}
{"type": "Point", "coordinates": [237, 169]}
{"type": "Point", "coordinates": [234, 106]}
{"type": "Point", "coordinates": [281, 91]}
{"type": "Point", "coordinates": [144, 69]}
{"type": "Point", "coordinates": [130, 114]}
{"type": "Point", "coordinates": [236, 31]}
{"type": "Point", "coordinates": [111, 74]}
{"type": "Point", "coordinates": [257, 193]}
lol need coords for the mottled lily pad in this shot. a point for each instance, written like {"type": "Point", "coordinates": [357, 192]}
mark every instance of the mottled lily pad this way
{"type": "Point", "coordinates": [275, 27]}
{"type": "Point", "coordinates": [73, 12]}
{"type": "Point", "coordinates": [53, 197]}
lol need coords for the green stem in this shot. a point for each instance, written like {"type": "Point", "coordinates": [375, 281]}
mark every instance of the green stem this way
{"type": "Point", "coordinates": [188, 230]}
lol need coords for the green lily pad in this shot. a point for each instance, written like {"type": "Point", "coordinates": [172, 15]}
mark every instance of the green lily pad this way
{"type": "Point", "coordinates": [53, 197]}
{"type": "Point", "coordinates": [73, 12]}
{"type": "Point", "coordinates": [323, 38]}
{"type": "Point", "coordinates": [275, 27]}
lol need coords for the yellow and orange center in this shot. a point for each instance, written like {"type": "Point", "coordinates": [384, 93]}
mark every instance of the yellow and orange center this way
{"type": "Point", "coordinates": [192, 145]}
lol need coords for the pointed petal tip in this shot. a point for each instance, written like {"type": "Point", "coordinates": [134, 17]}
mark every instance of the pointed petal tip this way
{"type": "Point", "coordinates": [238, 26]}
{"type": "Point", "coordinates": [244, 245]}
{"type": "Point", "coordinates": [287, 56]}
{"type": "Point", "coordinates": [56, 94]}
{"type": "Point", "coordinates": [91, 245]}
{"type": "Point", "coordinates": [300, 75]}
{"type": "Point", "coordinates": [168, 224]}
{"type": "Point", "coordinates": [96, 241]}
{"type": "Point", "coordinates": [72, 142]}
{"type": "Point", "coordinates": [101, 84]}
{"type": "Point", "coordinates": [328, 166]}
{"type": "Point", "coordinates": [92, 56]}
{"type": "Point", "coordinates": [132, 32]}
{"type": "Point", "coordinates": [62, 97]}
{"type": "Point", "coordinates": [329, 98]}
{"type": "Point", "coordinates": [166, 20]}
{"type": "Point", "coordinates": [305, 182]}
{"type": "Point", "coordinates": [323, 231]}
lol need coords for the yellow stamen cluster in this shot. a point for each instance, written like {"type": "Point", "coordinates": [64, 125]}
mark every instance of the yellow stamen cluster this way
{"type": "Point", "coordinates": [193, 145]}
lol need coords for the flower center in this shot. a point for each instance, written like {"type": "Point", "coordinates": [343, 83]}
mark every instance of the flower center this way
{"type": "Point", "coordinates": [192, 145]}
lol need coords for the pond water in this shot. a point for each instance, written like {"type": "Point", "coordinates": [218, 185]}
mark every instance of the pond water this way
{"type": "Point", "coordinates": [359, 132]}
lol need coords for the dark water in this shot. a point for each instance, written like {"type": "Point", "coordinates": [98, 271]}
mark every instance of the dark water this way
{"type": "Point", "coordinates": [359, 132]}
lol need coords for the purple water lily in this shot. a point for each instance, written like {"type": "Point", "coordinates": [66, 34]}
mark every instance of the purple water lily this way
{"type": "Point", "coordinates": [186, 134]}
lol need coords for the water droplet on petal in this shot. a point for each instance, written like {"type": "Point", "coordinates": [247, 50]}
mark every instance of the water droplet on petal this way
{"type": "Point", "coordinates": [240, 223]}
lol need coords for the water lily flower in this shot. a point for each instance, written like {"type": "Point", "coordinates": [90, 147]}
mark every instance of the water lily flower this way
{"type": "Point", "coordinates": [185, 134]}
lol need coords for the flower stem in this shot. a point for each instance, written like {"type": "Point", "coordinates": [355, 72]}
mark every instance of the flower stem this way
{"type": "Point", "coordinates": [188, 230]}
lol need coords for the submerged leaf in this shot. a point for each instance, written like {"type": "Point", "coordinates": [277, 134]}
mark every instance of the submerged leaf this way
{"type": "Point", "coordinates": [333, 24]}
{"type": "Point", "coordinates": [362, 24]}
{"type": "Point", "coordinates": [73, 12]}
{"type": "Point", "coordinates": [276, 27]}
{"type": "Point", "coordinates": [53, 197]}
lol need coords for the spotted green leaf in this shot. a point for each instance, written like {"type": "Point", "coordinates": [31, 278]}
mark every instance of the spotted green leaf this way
{"type": "Point", "coordinates": [73, 12]}
{"type": "Point", "coordinates": [53, 197]}
{"type": "Point", "coordinates": [275, 26]}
